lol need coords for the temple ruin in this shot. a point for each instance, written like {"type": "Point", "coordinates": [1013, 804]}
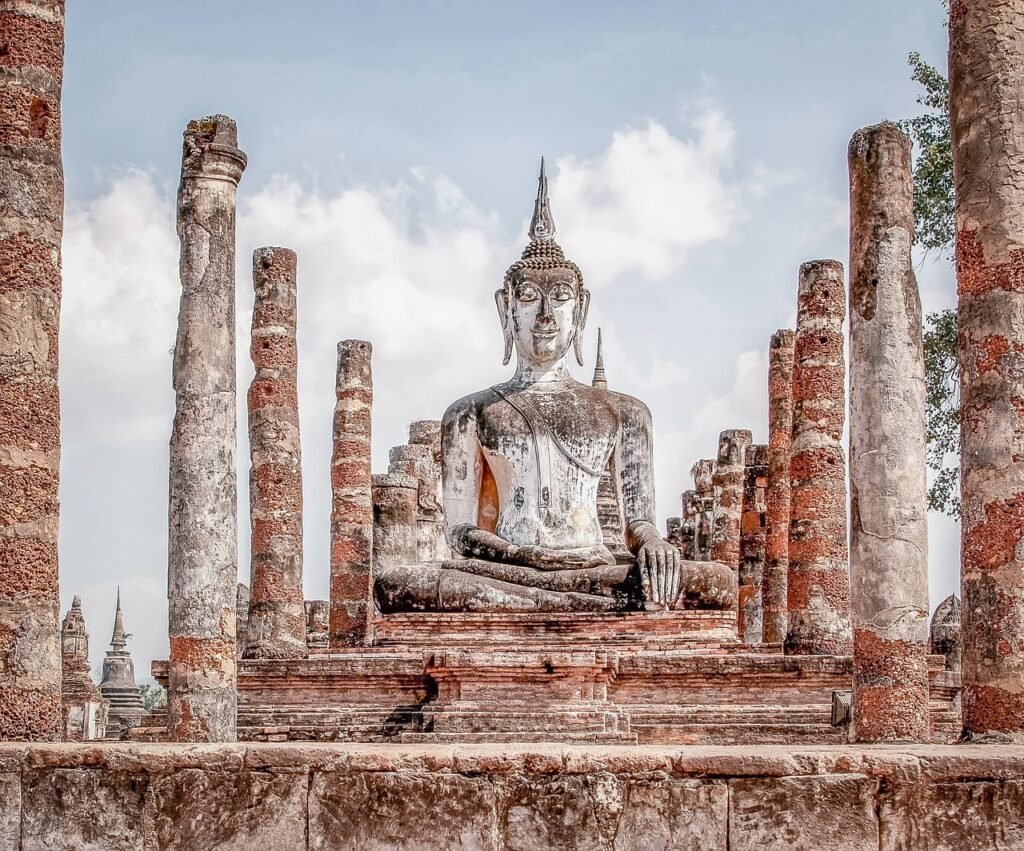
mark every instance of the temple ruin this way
{"type": "Point", "coordinates": [507, 624]}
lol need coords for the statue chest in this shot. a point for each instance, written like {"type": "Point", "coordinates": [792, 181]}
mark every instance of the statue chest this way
{"type": "Point", "coordinates": [548, 452]}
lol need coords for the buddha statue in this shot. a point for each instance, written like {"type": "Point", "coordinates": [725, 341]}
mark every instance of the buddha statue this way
{"type": "Point", "coordinates": [521, 464]}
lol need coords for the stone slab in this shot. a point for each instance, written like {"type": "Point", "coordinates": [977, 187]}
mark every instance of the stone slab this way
{"type": "Point", "coordinates": [510, 796]}
{"type": "Point", "coordinates": [661, 813]}
{"type": "Point", "coordinates": [367, 811]}
{"type": "Point", "coordinates": [950, 816]}
{"type": "Point", "coordinates": [86, 809]}
{"type": "Point", "coordinates": [10, 811]}
{"type": "Point", "coordinates": [230, 811]}
{"type": "Point", "coordinates": [835, 812]}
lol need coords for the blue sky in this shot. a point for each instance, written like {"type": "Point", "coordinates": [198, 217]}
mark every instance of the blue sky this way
{"type": "Point", "coordinates": [697, 155]}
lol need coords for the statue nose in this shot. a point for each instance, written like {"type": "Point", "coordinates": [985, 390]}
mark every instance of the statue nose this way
{"type": "Point", "coordinates": [545, 316]}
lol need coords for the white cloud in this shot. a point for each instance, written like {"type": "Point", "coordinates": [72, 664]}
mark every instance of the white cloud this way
{"type": "Point", "coordinates": [119, 310]}
{"type": "Point", "coordinates": [649, 200]}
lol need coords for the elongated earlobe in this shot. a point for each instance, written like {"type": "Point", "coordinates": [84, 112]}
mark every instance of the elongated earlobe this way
{"type": "Point", "coordinates": [581, 323]}
{"type": "Point", "coordinates": [506, 322]}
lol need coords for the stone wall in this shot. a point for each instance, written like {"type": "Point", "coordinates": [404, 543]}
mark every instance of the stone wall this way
{"type": "Point", "coordinates": [509, 797]}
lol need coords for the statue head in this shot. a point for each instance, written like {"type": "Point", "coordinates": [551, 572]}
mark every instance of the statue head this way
{"type": "Point", "coordinates": [542, 303]}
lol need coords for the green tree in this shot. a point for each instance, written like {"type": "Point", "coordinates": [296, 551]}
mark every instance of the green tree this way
{"type": "Point", "coordinates": [153, 696]}
{"type": "Point", "coordinates": [935, 230]}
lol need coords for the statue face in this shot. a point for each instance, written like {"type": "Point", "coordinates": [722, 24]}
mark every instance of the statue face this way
{"type": "Point", "coordinates": [544, 305]}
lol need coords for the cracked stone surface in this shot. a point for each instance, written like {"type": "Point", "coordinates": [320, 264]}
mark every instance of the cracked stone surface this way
{"type": "Point", "coordinates": [202, 567]}
{"type": "Point", "coordinates": [986, 73]}
{"type": "Point", "coordinates": [31, 224]}
{"type": "Point", "coordinates": [888, 444]}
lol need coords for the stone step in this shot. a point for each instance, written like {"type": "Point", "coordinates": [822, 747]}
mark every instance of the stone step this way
{"type": "Point", "coordinates": [739, 734]}
{"type": "Point", "coordinates": [539, 722]}
{"type": "Point", "coordinates": [565, 736]}
{"type": "Point", "coordinates": [812, 713]}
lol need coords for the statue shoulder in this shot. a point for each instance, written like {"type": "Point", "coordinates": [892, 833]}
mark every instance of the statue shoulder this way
{"type": "Point", "coordinates": [468, 408]}
{"type": "Point", "coordinates": [628, 407]}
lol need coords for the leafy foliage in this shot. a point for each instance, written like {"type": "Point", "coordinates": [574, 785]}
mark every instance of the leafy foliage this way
{"type": "Point", "coordinates": [935, 230]}
{"type": "Point", "coordinates": [942, 410]}
{"type": "Point", "coordinates": [933, 168]}
{"type": "Point", "coordinates": [153, 696]}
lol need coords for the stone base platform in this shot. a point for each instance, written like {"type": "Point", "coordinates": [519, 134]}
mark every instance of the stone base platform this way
{"type": "Point", "coordinates": [688, 627]}
{"type": "Point", "coordinates": [369, 797]}
{"type": "Point", "coordinates": [723, 695]}
{"type": "Point", "coordinates": [637, 678]}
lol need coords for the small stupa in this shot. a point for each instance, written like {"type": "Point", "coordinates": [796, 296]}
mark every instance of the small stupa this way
{"type": "Point", "coordinates": [118, 684]}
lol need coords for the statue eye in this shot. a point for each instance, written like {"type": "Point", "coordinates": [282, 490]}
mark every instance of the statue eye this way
{"type": "Point", "coordinates": [527, 293]}
{"type": "Point", "coordinates": [562, 294]}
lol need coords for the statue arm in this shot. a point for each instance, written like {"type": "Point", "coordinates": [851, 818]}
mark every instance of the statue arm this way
{"type": "Point", "coordinates": [634, 462]}
{"type": "Point", "coordinates": [658, 560]}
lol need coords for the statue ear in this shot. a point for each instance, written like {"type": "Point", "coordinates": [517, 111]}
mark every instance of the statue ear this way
{"type": "Point", "coordinates": [581, 323]}
{"type": "Point", "coordinates": [501, 300]}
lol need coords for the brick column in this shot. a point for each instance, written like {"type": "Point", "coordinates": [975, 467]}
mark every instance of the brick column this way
{"type": "Point", "coordinates": [753, 529]}
{"type": "Point", "coordinates": [728, 481]}
{"type": "Point", "coordinates": [352, 502]}
{"type": "Point", "coordinates": [780, 433]}
{"type": "Point", "coordinates": [31, 225]}
{"type": "Point", "coordinates": [986, 77]}
{"type": "Point", "coordinates": [277, 613]}
{"type": "Point", "coordinates": [202, 564]}
{"type": "Point", "coordinates": [819, 574]}
{"type": "Point", "coordinates": [888, 487]}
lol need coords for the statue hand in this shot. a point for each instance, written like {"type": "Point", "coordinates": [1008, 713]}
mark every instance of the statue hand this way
{"type": "Point", "coordinates": [660, 571]}
{"type": "Point", "coordinates": [542, 558]}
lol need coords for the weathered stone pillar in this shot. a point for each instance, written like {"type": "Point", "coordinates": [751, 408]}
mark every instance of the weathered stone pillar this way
{"type": "Point", "coordinates": [888, 479]}
{"type": "Point", "coordinates": [427, 433]}
{"type": "Point", "coordinates": [277, 614]}
{"type": "Point", "coordinates": [31, 225]}
{"type": "Point", "coordinates": [202, 566]}
{"type": "Point", "coordinates": [706, 508]}
{"type": "Point", "coordinates": [395, 503]}
{"type": "Point", "coordinates": [728, 481]}
{"type": "Point", "coordinates": [352, 504]}
{"type": "Point", "coordinates": [241, 619]}
{"type": "Point", "coordinates": [753, 529]}
{"type": "Point", "coordinates": [674, 532]}
{"type": "Point", "coordinates": [318, 615]}
{"type": "Point", "coordinates": [780, 433]}
{"type": "Point", "coordinates": [420, 461]}
{"type": "Point", "coordinates": [819, 575]}
{"type": "Point", "coordinates": [986, 76]}
{"type": "Point", "coordinates": [688, 525]}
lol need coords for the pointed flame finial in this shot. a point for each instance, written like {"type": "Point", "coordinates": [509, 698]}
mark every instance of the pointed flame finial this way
{"type": "Point", "coordinates": [600, 379]}
{"type": "Point", "coordinates": [118, 640]}
{"type": "Point", "coordinates": [542, 226]}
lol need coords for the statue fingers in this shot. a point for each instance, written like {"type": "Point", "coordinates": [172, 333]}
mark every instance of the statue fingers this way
{"type": "Point", "coordinates": [673, 592]}
{"type": "Point", "coordinates": [645, 581]}
{"type": "Point", "coordinates": [662, 577]}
